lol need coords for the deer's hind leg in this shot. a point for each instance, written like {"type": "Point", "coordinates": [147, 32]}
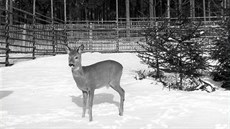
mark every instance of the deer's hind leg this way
{"type": "Point", "coordinates": [116, 86]}
{"type": "Point", "coordinates": [91, 96]}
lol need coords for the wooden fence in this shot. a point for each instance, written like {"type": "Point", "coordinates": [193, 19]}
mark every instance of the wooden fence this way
{"type": "Point", "coordinates": [36, 34]}
{"type": "Point", "coordinates": [112, 36]}
{"type": "Point", "coordinates": [103, 36]}
{"type": "Point", "coordinates": [27, 38]}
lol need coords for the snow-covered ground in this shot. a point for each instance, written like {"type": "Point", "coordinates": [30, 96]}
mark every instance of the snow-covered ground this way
{"type": "Point", "coordinates": [41, 94]}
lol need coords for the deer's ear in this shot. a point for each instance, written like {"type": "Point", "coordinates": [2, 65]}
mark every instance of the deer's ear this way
{"type": "Point", "coordinates": [67, 49]}
{"type": "Point", "coordinates": [80, 48]}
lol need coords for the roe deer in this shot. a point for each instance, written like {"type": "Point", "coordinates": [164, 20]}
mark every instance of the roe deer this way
{"type": "Point", "coordinates": [88, 78]}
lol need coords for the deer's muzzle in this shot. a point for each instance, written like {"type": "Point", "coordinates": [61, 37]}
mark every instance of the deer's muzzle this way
{"type": "Point", "coordinates": [71, 65]}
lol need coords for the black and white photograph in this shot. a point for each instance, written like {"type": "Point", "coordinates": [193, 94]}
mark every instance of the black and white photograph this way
{"type": "Point", "coordinates": [114, 64]}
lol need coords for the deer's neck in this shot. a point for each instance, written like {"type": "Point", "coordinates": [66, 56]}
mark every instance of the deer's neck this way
{"type": "Point", "coordinates": [78, 71]}
{"type": "Point", "coordinates": [79, 77]}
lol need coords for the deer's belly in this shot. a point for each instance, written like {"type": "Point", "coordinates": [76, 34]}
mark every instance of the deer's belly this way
{"type": "Point", "coordinates": [83, 88]}
{"type": "Point", "coordinates": [102, 85]}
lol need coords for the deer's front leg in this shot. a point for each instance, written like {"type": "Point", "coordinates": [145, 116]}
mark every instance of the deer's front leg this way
{"type": "Point", "coordinates": [91, 95]}
{"type": "Point", "coordinates": [85, 97]}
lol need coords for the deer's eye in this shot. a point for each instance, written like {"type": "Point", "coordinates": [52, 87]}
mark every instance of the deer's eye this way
{"type": "Point", "coordinates": [76, 57]}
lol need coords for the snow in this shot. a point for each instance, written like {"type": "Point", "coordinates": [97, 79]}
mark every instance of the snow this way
{"type": "Point", "coordinates": [41, 94]}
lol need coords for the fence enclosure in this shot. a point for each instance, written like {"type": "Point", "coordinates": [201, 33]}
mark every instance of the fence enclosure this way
{"type": "Point", "coordinates": [34, 34]}
{"type": "Point", "coordinates": [31, 35]}
{"type": "Point", "coordinates": [108, 36]}
{"type": "Point", "coordinates": [112, 36]}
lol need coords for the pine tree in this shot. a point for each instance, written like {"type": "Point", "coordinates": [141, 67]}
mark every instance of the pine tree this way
{"type": "Point", "coordinates": [152, 54]}
{"type": "Point", "coordinates": [187, 54]}
{"type": "Point", "coordinates": [175, 49]}
{"type": "Point", "coordinates": [221, 52]}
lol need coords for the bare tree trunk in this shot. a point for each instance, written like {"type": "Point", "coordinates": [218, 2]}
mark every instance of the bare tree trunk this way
{"type": "Point", "coordinates": [209, 10]}
{"type": "Point", "coordinates": [222, 10]}
{"type": "Point", "coordinates": [225, 4]}
{"type": "Point", "coordinates": [70, 13]}
{"type": "Point", "coordinates": [11, 12]}
{"type": "Point", "coordinates": [180, 6]}
{"type": "Point", "coordinates": [65, 19]}
{"type": "Point", "coordinates": [161, 12]}
{"type": "Point", "coordinates": [117, 10]}
{"type": "Point", "coordinates": [86, 14]}
{"type": "Point", "coordinates": [192, 9]}
{"type": "Point", "coordinates": [168, 12]}
{"type": "Point", "coordinates": [228, 4]}
{"type": "Point", "coordinates": [142, 6]}
{"type": "Point", "coordinates": [168, 9]}
{"type": "Point", "coordinates": [151, 15]}
{"type": "Point", "coordinates": [204, 10]}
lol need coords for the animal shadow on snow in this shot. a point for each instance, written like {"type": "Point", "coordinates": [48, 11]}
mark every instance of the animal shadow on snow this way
{"type": "Point", "coordinates": [5, 94]}
{"type": "Point", "coordinates": [98, 99]}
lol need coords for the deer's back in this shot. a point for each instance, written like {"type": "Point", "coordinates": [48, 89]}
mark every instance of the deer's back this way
{"type": "Point", "coordinates": [102, 73]}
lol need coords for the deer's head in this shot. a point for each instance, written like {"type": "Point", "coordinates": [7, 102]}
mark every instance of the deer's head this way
{"type": "Point", "coordinates": [75, 56]}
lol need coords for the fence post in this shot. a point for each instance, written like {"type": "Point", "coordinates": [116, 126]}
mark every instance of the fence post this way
{"type": "Point", "coordinates": [90, 36]}
{"type": "Point", "coordinates": [7, 33]}
{"type": "Point", "coordinates": [24, 34]}
{"type": "Point", "coordinates": [65, 26]}
{"type": "Point", "coordinates": [53, 31]}
{"type": "Point", "coordinates": [127, 3]}
{"type": "Point", "coordinates": [65, 34]}
{"type": "Point", "coordinates": [117, 30]}
{"type": "Point", "coordinates": [53, 40]}
{"type": "Point", "coordinates": [34, 29]}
